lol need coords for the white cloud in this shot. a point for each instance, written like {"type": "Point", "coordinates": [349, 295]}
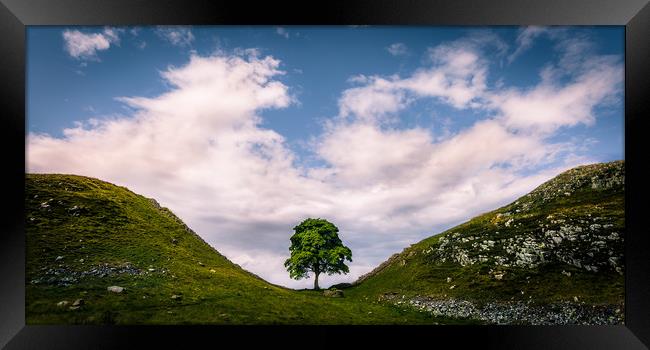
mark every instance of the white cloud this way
{"type": "Point", "coordinates": [373, 101]}
{"type": "Point", "coordinates": [456, 75]}
{"type": "Point", "coordinates": [525, 40]}
{"type": "Point", "coordinates": [176, 35]}
{"type": "Point", "coordinates": [200, 149]}
{"type": "Point", "coordinates": [553, 104]}
{"type": "Point", "coordinates": [282, 32]}
{"type": "Point", "coordinates": [85, 45]}
{"type": "Point", "coordinates": [397, 49]}
{"type": "Point", "coordinates": [573, 46]}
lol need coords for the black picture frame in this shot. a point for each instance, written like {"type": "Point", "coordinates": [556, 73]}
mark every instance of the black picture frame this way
{"type": "Point", "coordinates": [15, 15]}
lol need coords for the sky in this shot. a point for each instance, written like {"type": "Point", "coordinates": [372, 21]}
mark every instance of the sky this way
{"type": "Point", "coordinates": [392, 133]}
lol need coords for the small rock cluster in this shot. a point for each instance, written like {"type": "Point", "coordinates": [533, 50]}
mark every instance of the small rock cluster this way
{"type": "Point", "coordinates": [76, 305]}
{"type": "Point", "coordinates": [333, 293]}
{"type": "Point", "coordinates": [75, 210]}
{"type": "Point", "coordinates": [63, 276]}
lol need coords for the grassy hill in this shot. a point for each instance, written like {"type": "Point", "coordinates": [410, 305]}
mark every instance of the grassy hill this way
{"type": "Point", "coordinates": [85, 235]}
{"type": "Point", "coordinates": [557, 250]}
{"type": "Point", "coordinates": [554, 256]}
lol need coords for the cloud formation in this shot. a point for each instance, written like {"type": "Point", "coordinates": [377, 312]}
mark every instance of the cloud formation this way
{"type": "Point", "coordinates": [525, 40]}
{"type": "Point", "coordinates": [397, 49]}
{"type": "Point", "coordinates": [201, 150]}
{"type": "Point", "coordinates": [456, 75]}
{"type": "Point", "coordinates": [176, 35]}
{"type": "Point", "coordinates": [281, 31]}
{"type": "Point", "coordinates": [85, 45]}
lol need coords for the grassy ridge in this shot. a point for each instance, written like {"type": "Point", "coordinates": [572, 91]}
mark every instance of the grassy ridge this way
{"type": "Point", "coordinates": [562, 242]}
{"type": "Point", "coordinates": [582, 209]}
{"type": "Point", "coordinates": [84, 235]}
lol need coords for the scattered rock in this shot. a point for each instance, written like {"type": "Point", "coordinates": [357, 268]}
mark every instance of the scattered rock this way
{"type": "Point", "coordinates": [64, 276]}
{"type": "Point", "coordinates": [387, 296]}
{"type": "Point", "coordinates": [115, 289]}
{"type": "Point", "coordinates": [78, 302]}
{"type": "Point", "coordinates": [333, 293]}
{"type": "Point", "coordinates": [520, 312]}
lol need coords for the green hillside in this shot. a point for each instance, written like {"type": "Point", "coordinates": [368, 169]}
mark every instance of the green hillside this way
{"type": "Point", "coordinates": [85, 236]}
{"type": "Point", "coordinates": [554, 256]}
{"type": "Point", "coordinates": [557, 250]}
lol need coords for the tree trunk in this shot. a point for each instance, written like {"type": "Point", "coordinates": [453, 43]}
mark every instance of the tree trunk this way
{"type": "Point", "coordinates": [316, 287]}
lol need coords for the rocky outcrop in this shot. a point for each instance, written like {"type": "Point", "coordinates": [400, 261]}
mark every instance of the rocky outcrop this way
{"type": "Point", "coordinates": [572, 225]}
{"type": "Point", "coordinates": [536, 229]}
{"type": "Point", "coordinates": [519, 312]}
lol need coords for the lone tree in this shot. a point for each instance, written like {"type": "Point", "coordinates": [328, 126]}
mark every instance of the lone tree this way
{"type": "Point", "coordinates": [316, 247]}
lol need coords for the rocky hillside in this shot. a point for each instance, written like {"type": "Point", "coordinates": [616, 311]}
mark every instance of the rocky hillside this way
{"type": "Point", "coordinates": [553, 256]}
{"type": "Point", "coordinates": [100, 254]}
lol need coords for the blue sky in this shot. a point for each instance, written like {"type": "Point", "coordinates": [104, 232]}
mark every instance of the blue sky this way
{"type": "Point", "coordinates": [356, 124]}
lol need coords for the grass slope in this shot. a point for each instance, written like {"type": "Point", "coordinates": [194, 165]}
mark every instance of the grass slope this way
{"type": "Point", "coordinates": [562, 241]}
{"type": "Point", "coordinates": [84, 235]}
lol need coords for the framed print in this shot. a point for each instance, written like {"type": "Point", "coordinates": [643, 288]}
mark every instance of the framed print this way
{"type": "Point", "coordinates": [382, 172]}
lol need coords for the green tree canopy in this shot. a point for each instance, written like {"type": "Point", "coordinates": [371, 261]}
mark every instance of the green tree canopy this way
{"type": "Point", "coordinates": [316, 247]}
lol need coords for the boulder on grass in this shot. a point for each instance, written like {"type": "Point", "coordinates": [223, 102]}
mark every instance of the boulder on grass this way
{"type": "Point", "coordinates": [115, 289]}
